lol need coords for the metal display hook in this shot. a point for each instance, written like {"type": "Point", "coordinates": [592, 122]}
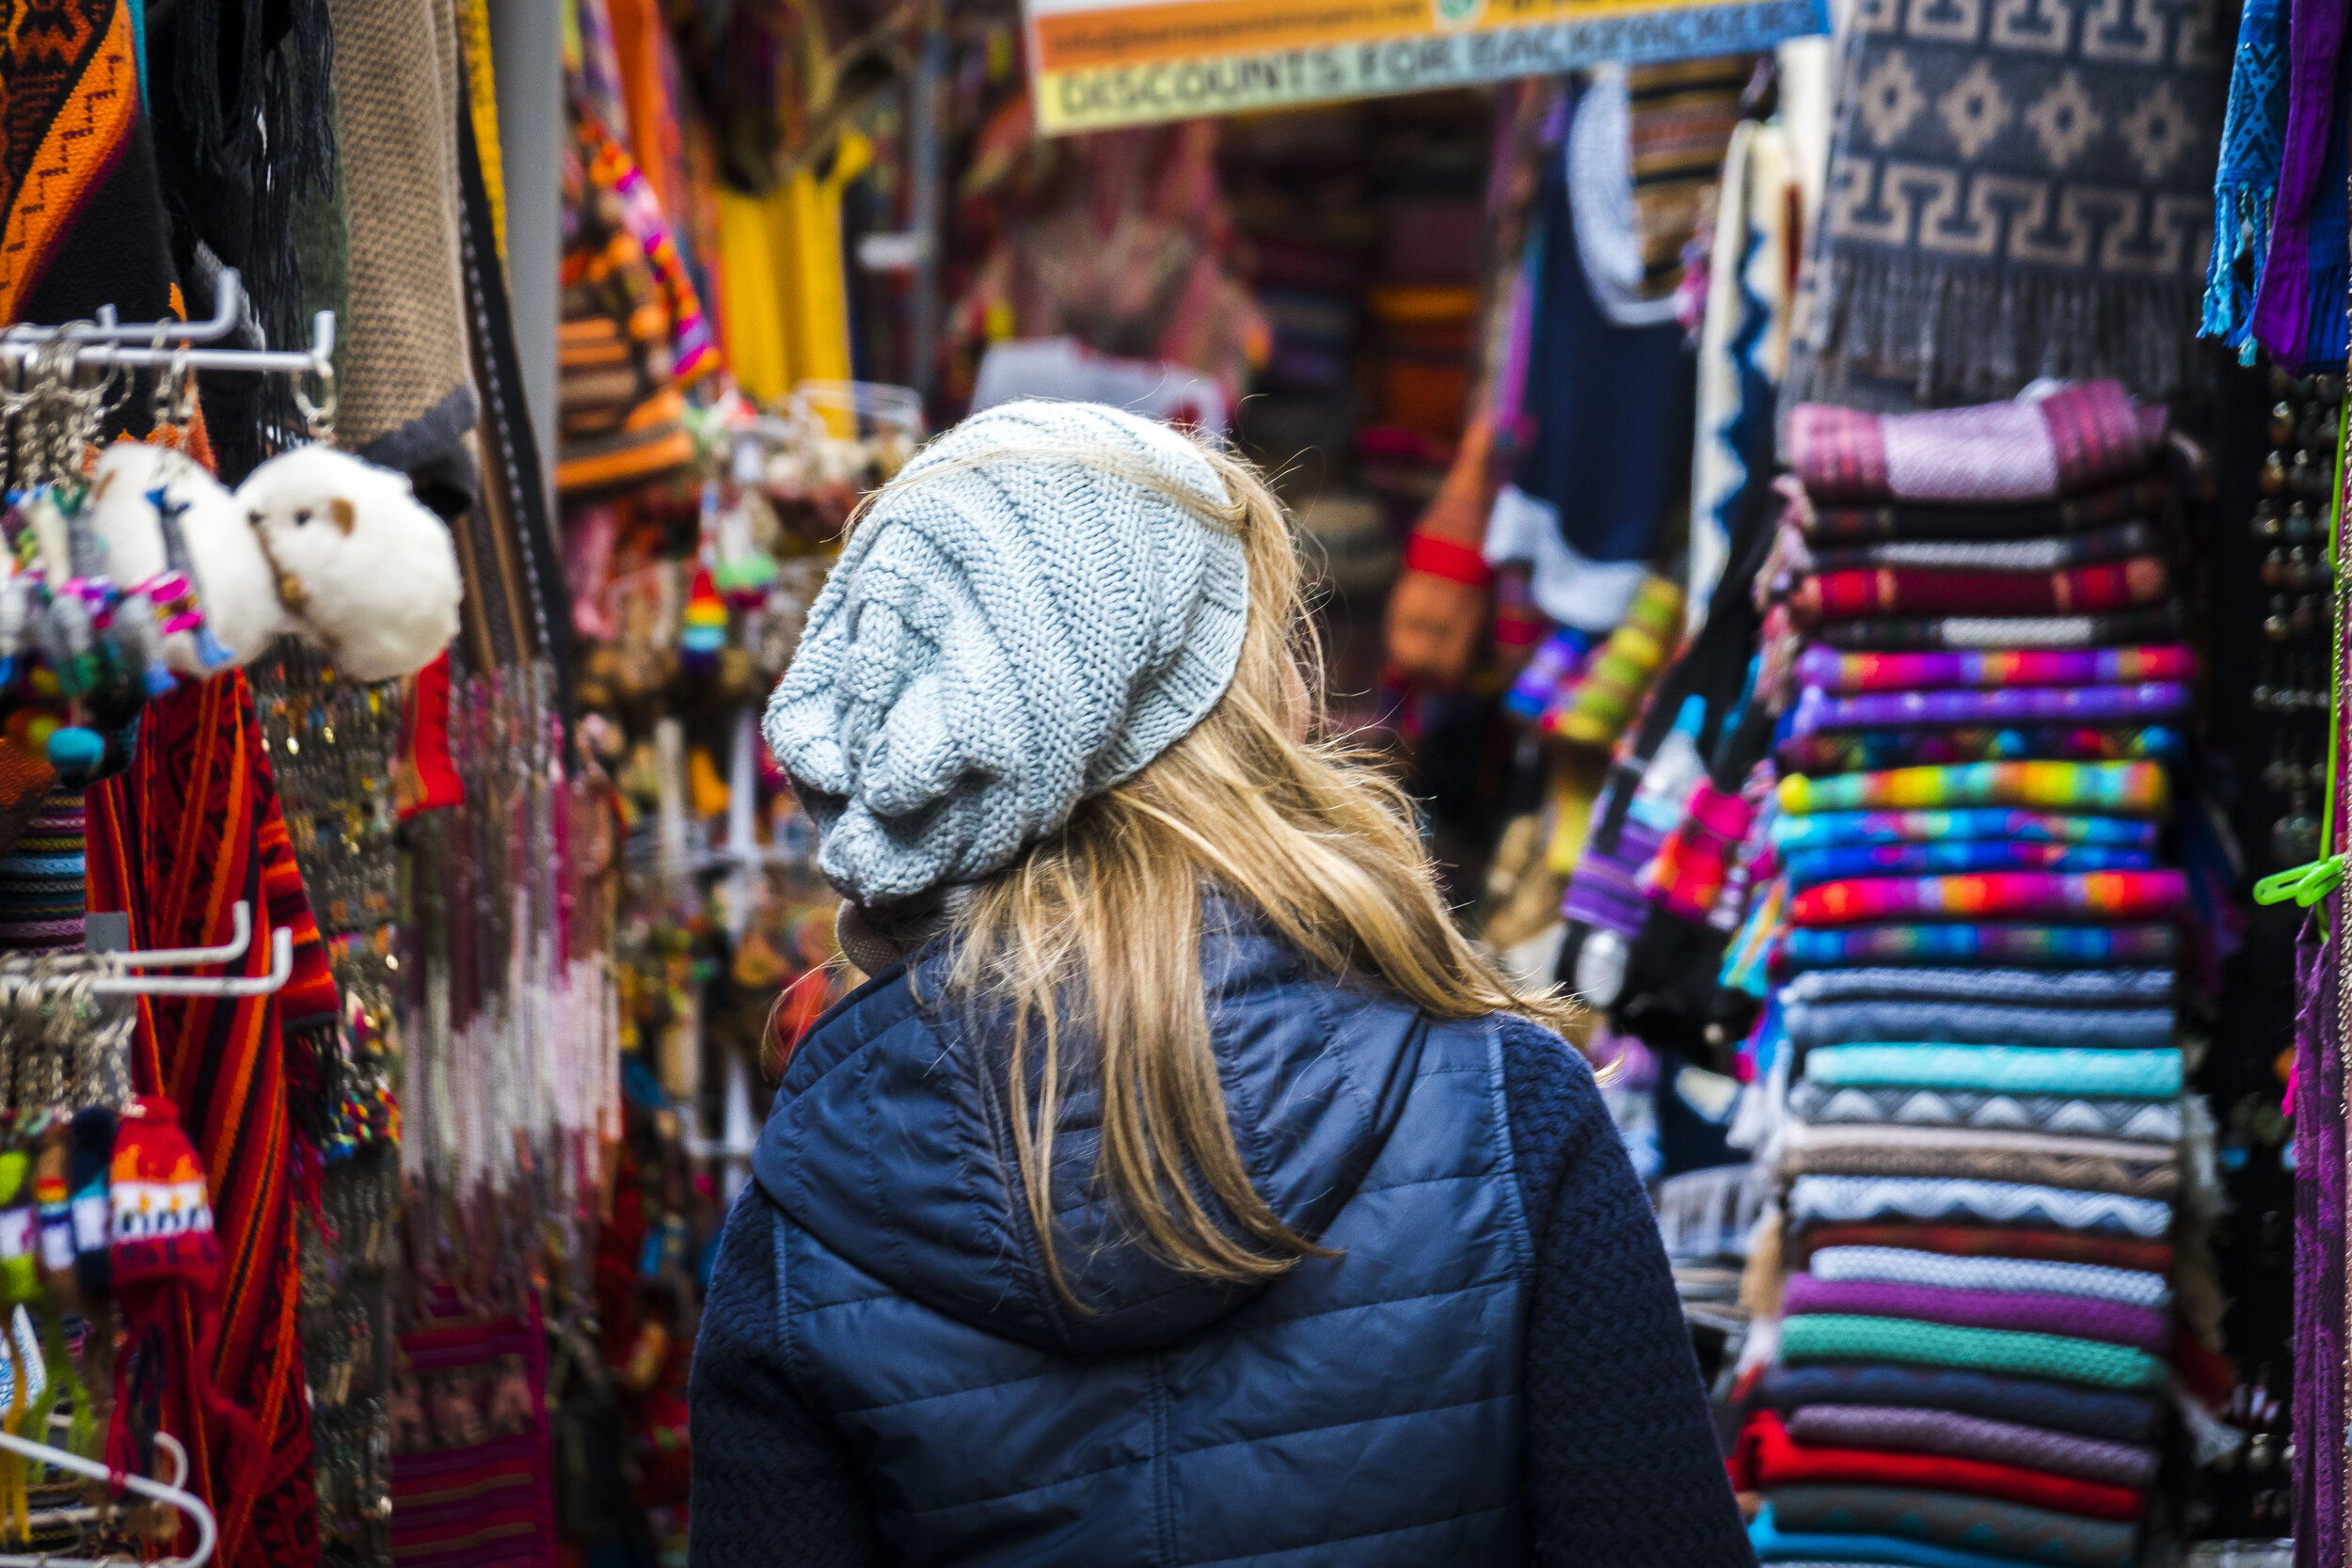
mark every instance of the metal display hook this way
{"type": "Point", "coordinates": [144, 346]}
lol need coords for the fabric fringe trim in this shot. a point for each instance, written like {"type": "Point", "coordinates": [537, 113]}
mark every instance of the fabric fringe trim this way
{"type": "Point", "coordinates": [1958, 334]}
{"type": "Point", "coordinates": [2241, 231]}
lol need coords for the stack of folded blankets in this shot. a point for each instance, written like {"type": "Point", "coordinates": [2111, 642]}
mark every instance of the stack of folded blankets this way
{"type": "Point", "coordinates": [1980, 1156]}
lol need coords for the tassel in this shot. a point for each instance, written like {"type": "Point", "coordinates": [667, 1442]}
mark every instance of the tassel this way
{"type": "Point", "coordinates": [209, 651]}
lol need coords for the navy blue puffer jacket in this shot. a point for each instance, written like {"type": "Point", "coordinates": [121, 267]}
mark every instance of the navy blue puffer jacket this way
{"type": "Point", "coordinates": [882, 1317]}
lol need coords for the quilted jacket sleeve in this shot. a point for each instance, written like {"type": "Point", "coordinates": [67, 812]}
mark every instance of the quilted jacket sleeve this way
{"type": "Point", "coordinates": [773, 1482]}
{"type": "Point", "coordinates": [1622, 1470]}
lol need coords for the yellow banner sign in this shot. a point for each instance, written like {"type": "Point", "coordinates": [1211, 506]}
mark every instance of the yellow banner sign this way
{"type": "Point", "coordinates": [1096, 64]}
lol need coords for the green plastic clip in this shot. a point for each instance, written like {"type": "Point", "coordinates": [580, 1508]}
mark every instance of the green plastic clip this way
{"type": "Point", "coordinates": [2306, 884]}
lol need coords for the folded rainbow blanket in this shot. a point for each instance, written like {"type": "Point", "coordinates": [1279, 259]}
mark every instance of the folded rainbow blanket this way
{"type": "Point", "coordinates": [1903, 1266]}
{"type": "Point", "coordinates": [1818, 710]}
{"type": "Point", "coordinates": [2110, 1322]}
{"type": "Point", "coordinates": [1824, 1548]}
{"type": "Point", "coordinates": [2152, 624]}
{"type": "Point", "coordinates": [1831, 828]}
{"type": "Point", "coordinates": [2117, 1418]}
{"type": "Point", "coordinates": [1912, 590]}
{"type": "Point", "coordinates": [2085, 988]}
{"type": "Point", "coordinates": [2036, 1159]}
{"type": "Point", "coordinates": [1806, 868]}
{"type": "Point", "coordinates": [1836, 672]}
{"type": "Point", "coordinates": [1831, 1337]}
{"type": "Point", "coordinates": [2122, 788]}
{"type": "Point", "coordinates": [1830, 1200]}
{"type": "Point", "coordinates": [2016, 1530]}
{"type": "Point", "coordinates": [2144, 497]}
{"type": "Point", "coordinates": [1994, 896]}
{"type": "Point", "coordinates": [2000, 1068]}
{"type": "Point", "coordinates": [1874, 751]}
{"type": "Point", "coordinates": [2036, 553]}
{"type": "Point", "coordinates": [2003, 1442]}
{"type": "Point", "coordinates": [1812, 1024]}
{"type": "Point", "coordinates": [2078, 1115]}
{"type": "Point", "coordinates": [2077, 947]}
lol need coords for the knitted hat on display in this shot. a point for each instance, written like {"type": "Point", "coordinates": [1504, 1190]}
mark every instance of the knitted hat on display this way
{"type": "Point", "coordinates": [162, 1214]}
{"type": "Point", "coordinates": [1012, 627]}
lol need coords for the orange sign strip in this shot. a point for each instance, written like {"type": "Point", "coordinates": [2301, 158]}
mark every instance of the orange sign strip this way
{"type": "Point", "coordinates": [1191, 28]}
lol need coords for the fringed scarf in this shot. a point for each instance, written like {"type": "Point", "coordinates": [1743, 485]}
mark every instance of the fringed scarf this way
{"type": "Point", "coordinates": [190, 829]}
{"type": "Point", "coordinates": [2246, 185]}
{"type": "Point", "coordinates": [2298, 308]}
{"type": "Point", "coordinates": [2017, 192]}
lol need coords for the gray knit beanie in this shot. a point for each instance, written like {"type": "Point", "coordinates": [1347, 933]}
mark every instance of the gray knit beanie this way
{"type": "Point", "coordinates": [1003, 637]}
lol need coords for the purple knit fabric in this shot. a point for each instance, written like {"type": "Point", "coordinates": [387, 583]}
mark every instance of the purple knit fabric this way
{"type": "Point", "coordinates": [2085, 705]}
{"type": "Point", "coordinates": [2062, 1453]}
{"type": "Point", "coordinates": [2319, 1304]}
{"type": "Point", "coordinates": [2112, 1323]}
{"type": "Point", "coordinates": [1605, 891]}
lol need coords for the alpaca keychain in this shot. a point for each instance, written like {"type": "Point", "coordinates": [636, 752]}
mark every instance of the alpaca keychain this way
{"type": "Point", "coordinates": [315, 544]}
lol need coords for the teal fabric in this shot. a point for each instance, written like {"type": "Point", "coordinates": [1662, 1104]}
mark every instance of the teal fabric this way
{"type": "Point", "coordinates": [2001, 1068]}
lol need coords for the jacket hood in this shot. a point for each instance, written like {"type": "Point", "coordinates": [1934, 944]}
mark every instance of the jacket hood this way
{"type": "Point", "coordinates": [891, 1143]}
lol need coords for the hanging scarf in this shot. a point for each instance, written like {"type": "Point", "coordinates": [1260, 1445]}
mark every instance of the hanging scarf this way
{"type": "Point", "coordinates": [185, 833]}
{"type": "Point", "coordinates": [2246, 187]}
{"type": "Point", "coordinates": [2017, 196]}
{"type": "Point", "coordinates": [81, 211]}
{"type": "Point", "coordinates": [2298, 309]}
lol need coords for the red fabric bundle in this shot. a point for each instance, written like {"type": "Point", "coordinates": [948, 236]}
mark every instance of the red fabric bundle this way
{"type": "Point", "coordinates": [1918, 591]}
{"type": "Point", "coordinates": [1990, 1240]}
{"type": "Point", "coordinates": [1767, 1456]}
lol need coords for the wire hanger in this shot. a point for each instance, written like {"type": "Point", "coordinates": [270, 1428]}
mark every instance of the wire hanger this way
{"type": "Point", "coordinates": [163, 345]}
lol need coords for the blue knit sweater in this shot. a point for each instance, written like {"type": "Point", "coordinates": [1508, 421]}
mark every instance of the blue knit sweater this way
{"type": "Point", "coordinates": [1621, 1464]}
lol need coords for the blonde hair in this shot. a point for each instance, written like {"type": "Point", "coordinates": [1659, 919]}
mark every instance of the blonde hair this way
{"type": "Point", "coordinates": [1094, 933]}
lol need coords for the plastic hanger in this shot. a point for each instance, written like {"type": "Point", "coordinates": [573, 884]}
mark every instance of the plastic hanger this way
{"type": "Point", "coordinates": [241, 924]}
{"type": "Point", "coordinates": [169, 1492]}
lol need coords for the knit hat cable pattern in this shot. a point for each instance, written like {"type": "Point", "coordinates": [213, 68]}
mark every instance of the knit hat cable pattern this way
{"type": "Point", "coordinates": [1002, 639]}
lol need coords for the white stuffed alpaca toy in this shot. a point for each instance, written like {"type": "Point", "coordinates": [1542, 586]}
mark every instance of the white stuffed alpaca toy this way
{"type": "Point", "coordinates": [315, 544]}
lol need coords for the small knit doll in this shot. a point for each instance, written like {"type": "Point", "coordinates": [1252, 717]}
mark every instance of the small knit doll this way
{"type": "Point", "coordinates": [703, 629]}
{"type": "Point", "coordinates": [162, 1252]}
